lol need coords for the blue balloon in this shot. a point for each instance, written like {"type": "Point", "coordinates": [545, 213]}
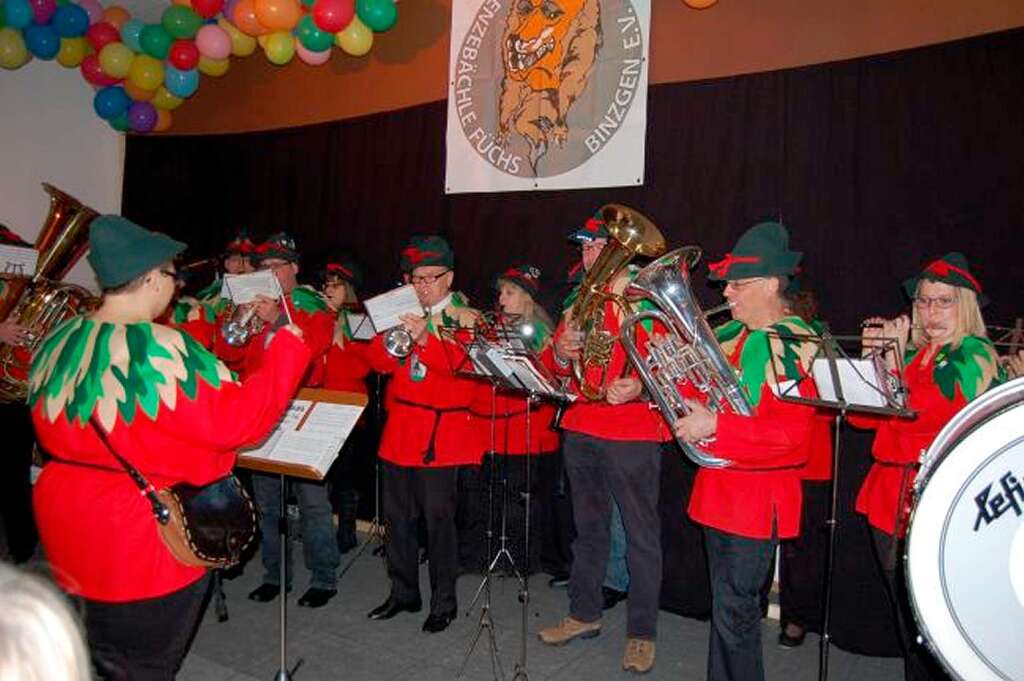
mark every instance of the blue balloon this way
{"type": "Point", "coordinates": [131, 32]}
{"type": "Point", "coordinates": [42, 41]}
{"type": "Point", "coordinates": [19, 13]}
{"type": "Point", "coordinates": [111, 102]}
{"type": "Point", "coordinates": [70, 21]}
{"type": "Point", "coordinates": [180, 83]}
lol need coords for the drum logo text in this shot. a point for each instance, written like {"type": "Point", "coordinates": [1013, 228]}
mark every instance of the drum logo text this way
{"type": "Point", "coordinates": [992, 507]}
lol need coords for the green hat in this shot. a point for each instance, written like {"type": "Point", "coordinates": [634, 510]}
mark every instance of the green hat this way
{"type": "Point", "coordinates": [951, 269]}
{"type": "Point", "coordinates": [762, 251]}
{"type": "Point", "coordinates": [593, 228]}
{"type": "Point", "coordinates": [9, 238]}
{"type": "Point", "coordinates": [340, 267]}
{"type": "Point", "coordinates": [427, 250]}
{"type": "Point", "coordinates": [526, 277]}
{"type": "Point", "coordinates": [120, 250]}
{"type": "Point", "coordinates": [278, 245]}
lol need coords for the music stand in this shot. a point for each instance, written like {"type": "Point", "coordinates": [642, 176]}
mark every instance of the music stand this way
{"type": "Point", "coordinates": [842, 383]}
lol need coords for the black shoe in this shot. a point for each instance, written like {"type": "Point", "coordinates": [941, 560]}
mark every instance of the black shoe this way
{"type": "Point", "coordinates": [559, 581]}
{"type": "Point", "coordinates": [316, 598]}
{"type": "Point", "coordinates": [611, 597]}
{"type": "Point", "coordinates": [233, 572]}
{"type": "Point", "coordinates": [392, 607]}
{"type": "Point", "coordinates": [265, 593]}
{"type": "Point", "coordinates": [436, 623]}
{"type": "Point", "coordinates": [788, 641]}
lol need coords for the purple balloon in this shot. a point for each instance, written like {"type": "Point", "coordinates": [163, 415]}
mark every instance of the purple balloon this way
{"type": "Point", "coordinates": [42, 10]}
{"type": "Point", "coordinates": [142, 116]}
{"type": "Point", "coordinates": [229, 11]}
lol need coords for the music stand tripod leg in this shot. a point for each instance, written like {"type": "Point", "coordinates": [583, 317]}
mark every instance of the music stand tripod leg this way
{"type": "Point", "coordinates": [826, 609]}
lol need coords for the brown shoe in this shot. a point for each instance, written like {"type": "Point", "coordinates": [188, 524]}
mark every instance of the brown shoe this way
{"type": "Point", "coordinates": [639, 655]}
{"type": "Point", "coordinates": [568, 629]}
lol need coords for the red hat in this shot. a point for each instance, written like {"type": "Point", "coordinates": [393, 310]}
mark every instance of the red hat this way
{"type": "Point", "coordinates": [240, 245]}
{"type": "Point", "coordinates": [526, 277]}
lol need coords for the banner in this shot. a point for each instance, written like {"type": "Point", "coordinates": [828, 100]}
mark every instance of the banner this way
{"type": "Point", "coordinates": [547, 94]}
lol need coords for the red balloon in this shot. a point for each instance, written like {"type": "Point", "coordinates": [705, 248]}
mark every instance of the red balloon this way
{"type": "Point", "coordinates": [333, 15]}
{"type": "Point", "coordinates": [93, 72]}
{"type": "Point", "coordinates": [101, 33]}
{"type": "Point", "coordinates": [183, 55]}
{"type": "Point", "coordinates": [207, 9]}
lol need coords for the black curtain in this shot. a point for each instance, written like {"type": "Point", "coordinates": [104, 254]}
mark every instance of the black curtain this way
{"type": "Point", "coordinates": [877, 165]}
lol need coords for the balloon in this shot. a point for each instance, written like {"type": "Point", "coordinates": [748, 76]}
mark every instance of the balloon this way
{"type": "Point", "coordinates": [3, 16]}
{"type": "Point", "coordinates": [308, 3]}
{"type": "Point", "coordinates": [181, 83]}
{"type": "Point", "coordinates": [142, 116]}
{"type": "Point", "coordinates": [379, 15]}
{"type": "Point", "coordinates": [278, 15]}
{"type": "Point", "coordinates": [42, 41]}
{"type": "Point", "coordinates": [181, 22]}
{"type": "Point", "coordinates": [155, 41]}
{"type": "Point", "coordinates": [42, 10]}
{"type": "Point", "coordinates": [246, 20]}
{"type": "Point", "coordinates": [101, 33]}
{"type": "Point", "coordinates": [311, 37]}
{"type": "Point", "coordinates": [137, 93]}
{"type": "Point", "coordinates": [699, 4]}
{"type": "Point", "coordinates": [120, 123]}
{"type": "Point", "coordinates": [207, 9]}
{"type": "Point", "coordinates": [13, 53]}
{"type": "Point", "coordinates": [93, 72]}
{"type": "Point", "coordinates": [93, 9]}
{"type": "Point", "coordinates": [72, 51]}
{"type": "Point", "coordinates": [280, 48]}
{"type": "Point", "coordinates": [130, 34]}
{"type": "Point", "coordinates": [163, 120]}
{"type": "Point", "coordinates": [116, 15]}
{"type": "Point", "coordinates": [116, 59]}
{"type": "Point", "coordinates": [356, 39]}
{"type": "Point", "coordinates": [111, 102]}
{"type": "Point", "coordinates": [213, 67]}
{"type": "Point", "coordinates": [213, 42]}
{"type": "Point", "coordinates": [147, 72]}
{"type": "Point", "coordinates": [165, 100]}
{"type": "Point", "coordinates": [19, 13]}
{"type": "Point", "coordinates": [242, 45]}
{"type": "Point", "coordinates": [183, 55]}
{"type": "Point", "coordinates": [309, 56]}
{"type": "Point", "coordinates": [333, 15]}
{"type": "Point", "coordinates": [70, 21]}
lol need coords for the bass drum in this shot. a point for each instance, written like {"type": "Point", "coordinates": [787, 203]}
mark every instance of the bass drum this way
{"type": "Point", "coordinates": [965, 544]}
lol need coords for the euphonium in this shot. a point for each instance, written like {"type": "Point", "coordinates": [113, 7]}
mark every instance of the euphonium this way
{"type": "Point", "coordinates": [632, 234]}
{"type": "Point", "coordinates": [688, 352]}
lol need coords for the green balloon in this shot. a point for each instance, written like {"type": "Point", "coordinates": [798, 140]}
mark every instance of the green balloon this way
{"type": "Point", "coordinates": [308, 3]}
{"type": "Point", "coordinates": [121, 123]}
{"type": "Point", "coordinates": [181, 22]}
{"type": "Point", "coordinates": [3, 16]}
{"type": "Point", "coordinates": [379, 15]}
{"type": "Point", "coordinates": [155, 41]}
{"type": "Point", "coordinates": [311, 37]}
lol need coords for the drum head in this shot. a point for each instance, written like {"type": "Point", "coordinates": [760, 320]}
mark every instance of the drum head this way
{"type": "Point", "coordinates": [965, 547]}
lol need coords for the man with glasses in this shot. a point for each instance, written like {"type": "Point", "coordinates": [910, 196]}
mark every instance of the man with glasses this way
{"type": "Point", "coordinates": [428, 435]}
{"type": "Point", "coordinates": [310, 313]}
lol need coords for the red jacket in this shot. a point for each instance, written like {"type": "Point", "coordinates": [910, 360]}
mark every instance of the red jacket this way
{"type": "Point", "coordinates": [510, 423]}
{"type": "Point", "coordinates": [819, 448]}
{"type": "Point", "coordinates": [345, 365]}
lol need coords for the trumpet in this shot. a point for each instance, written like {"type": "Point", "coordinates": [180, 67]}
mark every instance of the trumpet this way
{"type": "Point", "coordinates": [242, 324]}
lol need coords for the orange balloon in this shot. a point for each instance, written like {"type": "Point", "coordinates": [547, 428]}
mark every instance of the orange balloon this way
{"type": "Point", "coordinates": [278, 15]}
{"type": "Point", "coordinates": [183, 3]}
{"type": "Point", "coordinates": [245, 18]}
{"type": "Point", "coordinates": [163, 120]}
{"type": "Point", "coordinates": [699, 4]}
{"type": "Point", "coordinates": [116, 15]}
{"type": "Point", "coordinates": [135, 92]}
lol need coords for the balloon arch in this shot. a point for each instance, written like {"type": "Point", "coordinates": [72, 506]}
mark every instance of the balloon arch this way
{"type": "Point", "coordinates": [141, 72]}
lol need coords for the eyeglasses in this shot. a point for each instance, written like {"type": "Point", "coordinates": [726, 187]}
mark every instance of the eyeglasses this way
{"type": "Point", "coordinates": [941, 302]}
{"type": "Point", "coordinates": [738, 284]}
{"type": "Point", "coordinates": [176, 276]}
{"type": "Point", "coordinates": [427, 279]}
{"type": "Point", "coordinates": [273, 265]}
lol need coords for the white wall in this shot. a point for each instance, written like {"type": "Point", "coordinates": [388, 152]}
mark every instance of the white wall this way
{"type": "Point", "coordinates": [49, 133]}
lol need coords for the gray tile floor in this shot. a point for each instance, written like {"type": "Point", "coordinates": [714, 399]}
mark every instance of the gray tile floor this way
{"type": "Point", "coordinates": [338, 642]}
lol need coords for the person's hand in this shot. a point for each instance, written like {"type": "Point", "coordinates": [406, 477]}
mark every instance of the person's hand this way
{"type": "Point", "coordinates": [623, 390]}
{"type": "Point", "coordinates": [267, 309]}
{"type": "Point", "coordinates": [700, 424]}
{"type": "Point", "coordinates": [416, 326]}
{"type": "Point", "coordinates": [877, 330]}
{"type": "Point", "coordinates": [12, 333]}
{"type": "Point", "coordinates": [1015, 364]}
{"type": "Point", "coordinates": [569, 344]}
{"type": "Point", "coordinates": [294, 329]}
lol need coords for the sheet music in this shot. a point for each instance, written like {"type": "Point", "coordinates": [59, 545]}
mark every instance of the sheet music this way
{"type": "Point", "coordinates": [310, 434]}
{"type": "Point", "coordinates": [243, 288]}
{"type": "Point", "coordinates": [386, 309]}
{"type": "Point", "coordinates": [18, 261]}
{"type": "Point", "coordinates": [862, 383]}
{"type": "Point", "coordinates": [361, 326]}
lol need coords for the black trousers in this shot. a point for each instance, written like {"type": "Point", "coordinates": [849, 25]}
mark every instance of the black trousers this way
{"type": "Point", "coordinates": [408, 494]}
{"type": "Point", "coordinates": [18, 535]}
{"type": "Point", "coordinates": [144, 640]}
{"type": "Point", "coordinates": [556, 521]}
{"type": "Point", "coordinates": [802, 561]}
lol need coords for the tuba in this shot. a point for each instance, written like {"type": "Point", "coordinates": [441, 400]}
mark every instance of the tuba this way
{"type": "Point", "coordinates": [689, 352]}
{"type": "Point", "coordinates": [632, 234]}
{"type": "Point", "coordinates": [41, 302]}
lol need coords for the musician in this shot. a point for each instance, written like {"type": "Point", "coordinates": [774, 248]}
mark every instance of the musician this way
{"type": "Point", "coordinates": [612, 450]}
{"type": "Point", "coordinates": [427, 436]}
{"type": "Point", "coordinates": [748, 506]}
{"type": "Point", "coordinates": [345, 368]}
{"type": "Point", "coordinates": [948, 361]}
{"type": "Point", "coordinates": [309, 312]}
{"type": "Point", "coordinates": [237, 258]}
{"type": "Point", "coordinates": [170, 408]}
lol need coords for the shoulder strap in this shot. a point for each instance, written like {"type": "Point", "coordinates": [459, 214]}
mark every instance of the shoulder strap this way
{"type": "Point", "coordinates": [160, 510]}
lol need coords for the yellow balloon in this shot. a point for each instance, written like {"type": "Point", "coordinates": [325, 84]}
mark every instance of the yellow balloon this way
{"type": "Point", "coordinates": [165, 100]}
{"type": "Point", "coordinates": [163, 120]}
{"type": "Point", "coordinates": [699, 4]}
{"type": "Point", "coordinates": [280, 47]}
{"type": "Point", "coordinates": [73, 51]}
{"type": "Point", "coordinates": [13, 53]}
{"type": "Point", "coordinates": [213, 67]}
{"type": "Point", "coordinates": [356, 38]}
{"type": "Point", "coordinates": [242, 45]}
{"type": "Point", "coordinates": [116, 60]}
{"type": "Point", "coordinates": [146, 72]}
{"type": "Point", "coordinates": [137, 93]}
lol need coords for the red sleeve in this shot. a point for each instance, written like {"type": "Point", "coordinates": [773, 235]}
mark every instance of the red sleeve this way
{"type": "Point", "coordinates": [440, 355]}
{"type": "Point", "coordinates": [549, 358]}
{"type": "Point", "coordinates": [379, 359]}
{"type": "Point", "coordinates": [773, 436]}
{"type": "Point", "coordinates": [317, 331]}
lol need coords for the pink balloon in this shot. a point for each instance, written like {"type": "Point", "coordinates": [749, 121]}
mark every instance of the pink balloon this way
{"type": "Point", "coordinates": [42, 10]}
{"type": "Point", "coordinates": [213, 42]}
{"type": "Point", "coordinates": [310, 57]}
{"type": "Point", "coordinates": [93, 9]}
